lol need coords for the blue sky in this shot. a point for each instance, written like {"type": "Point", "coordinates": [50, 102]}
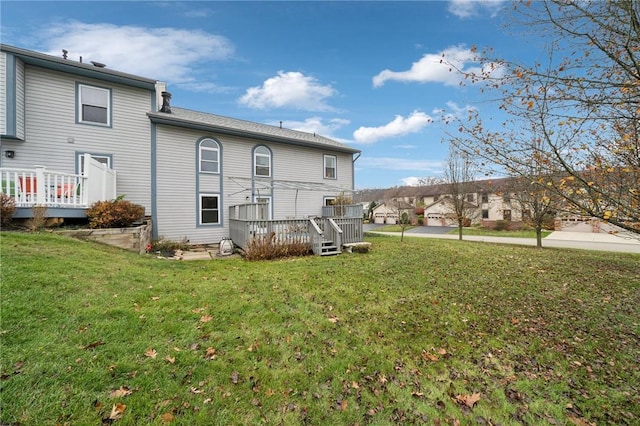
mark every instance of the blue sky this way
{"type": "Point", "coordinates": [365, 73]}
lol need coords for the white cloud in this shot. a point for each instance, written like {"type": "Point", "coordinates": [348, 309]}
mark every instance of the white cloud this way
{"type": "Point", "coordinates": [410, 181]}
{"type": "Point", "coordinates": [443, 67]}
{"type": "Point", "coordinates": [289, 90]}
{"type": "Point", "coordinates": [469, 8]}
{"type": "Point", "coordinates": [398, 127]}
{"type": "Point", "coordinates": [316, 125]}
{"type": "Point", "coordinates": [168, 54]}
{"type": "Point", "coordinates": [388, 163]}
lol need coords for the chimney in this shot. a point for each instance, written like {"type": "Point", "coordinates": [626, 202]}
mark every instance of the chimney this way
{"type": "Point", "coordinates": [166, 102]}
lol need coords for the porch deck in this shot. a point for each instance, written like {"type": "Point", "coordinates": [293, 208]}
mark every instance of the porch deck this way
{"type": "Point", "coordinates": [326, 235]}
{"type": "Point", "coordinates": [63, 194]}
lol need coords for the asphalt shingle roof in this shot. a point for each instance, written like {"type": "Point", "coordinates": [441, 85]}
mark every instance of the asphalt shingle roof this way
{"type": "Point", "coordinates": [187, 118]}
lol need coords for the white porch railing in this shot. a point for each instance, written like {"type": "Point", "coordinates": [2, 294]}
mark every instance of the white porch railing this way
{"type": "Point", "coordinates": [42, 187]}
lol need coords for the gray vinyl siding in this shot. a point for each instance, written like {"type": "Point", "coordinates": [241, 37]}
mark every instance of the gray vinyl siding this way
{"type": "Point", "coordinates": [3, 93]}
{"type": "Point", "coordinates": [53, 138]}
{"type": "Point", "coordinates": [178, 181]}
{"type": "Point", "coordinates": [176, 185]}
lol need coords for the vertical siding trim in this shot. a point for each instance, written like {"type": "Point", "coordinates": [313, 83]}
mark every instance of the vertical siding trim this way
{"type": "Point", "coordinates": [11, 101]}
{"type": "Point", "coordinates": [154, 180]}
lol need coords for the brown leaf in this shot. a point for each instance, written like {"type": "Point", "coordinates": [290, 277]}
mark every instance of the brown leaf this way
{"type": "Point", "coordinates": [120, 393]}
{"type": "Point", "coordinates": [117, 411]}
{"type": "Point", "coordinates": [579, 421]}
{"type": "Point", "coordinates": [196, 390]}
{"type": "Point", "coordinates": [93, 344]}
{"type": "Point", "coordinates": [343, 405]}
{"type": "Point", "coordinates": [155, 298]}
{"type": "Point", "coordinates": [234, 377]}
{"type": "Point", "coordinates": [206, 318]}
{"type": "Point", "coordinates": [167, 418]}
{"type": "Point", "coordinates": [210, 353]}
{"type": "Point", "coordinates": [151, 353]}
{"type": "Point", "coordinates": [334, 319]}
{"type": "Point", "coordinates": [468, 400]}
{"type": "Point", "coordinates": [429, 356]}
{"type": "Point", "coordinates": [170, 359]}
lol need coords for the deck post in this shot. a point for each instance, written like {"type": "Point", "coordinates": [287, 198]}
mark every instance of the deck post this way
{"type": "Point", "coordinates": [41, 194]}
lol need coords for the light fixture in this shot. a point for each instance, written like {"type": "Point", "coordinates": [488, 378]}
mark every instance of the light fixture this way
{"type": "Point", "coordinates": [9, 154]}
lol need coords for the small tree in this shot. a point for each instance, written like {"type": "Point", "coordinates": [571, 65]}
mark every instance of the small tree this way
{"type": "Point", "coordinates": [460, 173]}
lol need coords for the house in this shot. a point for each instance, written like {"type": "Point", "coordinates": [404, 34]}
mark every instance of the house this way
{"type": "Point", "coordinates": [73, 133]}
{"type": "Point", "coordinates": [486, 203]}
{"type": "Point", "coordinates": [390, 211]}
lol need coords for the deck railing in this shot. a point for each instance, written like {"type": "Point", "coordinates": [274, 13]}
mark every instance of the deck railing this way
{"type": "Point", "coordinates": [41, 187]}
{"type": "Point", "coordinates": [31, 187]}
{"type": "Point", "coordinates": [249, 221]}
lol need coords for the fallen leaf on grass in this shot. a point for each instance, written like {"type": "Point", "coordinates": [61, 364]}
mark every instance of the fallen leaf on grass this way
{"type": "Point", "coordinates": [579, 421]}
{"type": "Point", "coordinates": [170, 359]}
{"type": "Point", "coordinates": [154, 298]}
{"type": "Point", "coordinates": [210, 353]}
{"type": "Point", "coordinates": [117, 411]}
{"type": "Point", "coordinates": [196, 390]}
{"type": "Point", "coordinates": [334, 319]}
{"type": "Point", "coordinates": [468, 400]}
{"type": "Point", "coordinates": [93, 344]}
{"type": "Point", "coordinates": [206, 318]}
{"type": "Point", "coordinates": [234, 377]}
{"type": "Point", "coordinates": [167, 418]}
{"type": "Point", "coordinates": [151, 353]}
{"type": "Point", "coordinates": [120, 393]}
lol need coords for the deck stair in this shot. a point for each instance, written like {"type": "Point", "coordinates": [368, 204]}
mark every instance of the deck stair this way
{"type": "Point", "coordinates": [328, 248]}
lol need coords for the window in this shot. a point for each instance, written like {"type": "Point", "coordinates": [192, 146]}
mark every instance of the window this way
{"type": "Point", "coordinates": [262, 161]}
{"type": "Point", "coordinates": [485, 197]}
{"type": "Point", "coordinates": [506, 215]}
{"type": "Point", "coordinates": [436, 197]}
{"type": "Point", "coordinates": [485, 214]}
{"type": "Point", "coordinates": [209, 156]}
{"type": "Point", "coordinates": [470, 198]}
{"type": "Point", "coordinates": [330, 166]}
{"type": "Point", "coordinates": [94, 105]}
{"type": "Point", "coordinates": [329, 201]}
{"type": "Point", "coordinates": [209, 209]}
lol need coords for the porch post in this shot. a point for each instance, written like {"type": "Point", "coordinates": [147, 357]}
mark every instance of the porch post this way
{"type": "Point", "coordinates": [41, 196]}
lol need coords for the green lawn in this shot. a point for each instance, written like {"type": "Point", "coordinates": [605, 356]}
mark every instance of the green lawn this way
{"type": "Point", "coordinates": [426, 331]}
{"type": "Point", "coordinates": [490, 232]}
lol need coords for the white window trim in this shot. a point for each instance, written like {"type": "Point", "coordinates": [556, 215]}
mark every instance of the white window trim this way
{"type": "Point", "coordinates": [201, 210]}
{"type": "Point", "coordinates": [206, 148]}
{"type": "Point", "coordinates": [79, 105]}
{"type": "Point", "coordinates": [98, 157]}
{"type": "Point", "coordinates": [335, 167]}
{"type": "Point", "coordinates": [256, 154]}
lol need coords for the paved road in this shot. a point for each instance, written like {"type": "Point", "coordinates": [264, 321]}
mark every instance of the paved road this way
{"type": "Point", "coordinates": [557, 239]}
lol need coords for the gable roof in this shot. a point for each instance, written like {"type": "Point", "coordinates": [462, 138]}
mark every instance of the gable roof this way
{"type": "Point", "coordinates": [70, 66]}
{"type": "Point", "coordinates": [232, 126]}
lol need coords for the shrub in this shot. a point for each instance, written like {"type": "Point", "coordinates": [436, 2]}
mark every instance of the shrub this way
{"type": "Point", "coordinates": [38, 218]}
{"type": "Point", "coordinates": [116, 213]}
{"type": "Point", "coordinates": [7, 208]}
{"type": "Point", "coordinates": [168, 247]}
{"type": "Point", "coordinates": [269, 247]}
{"type": "Point", "coordinates": [501, 225]}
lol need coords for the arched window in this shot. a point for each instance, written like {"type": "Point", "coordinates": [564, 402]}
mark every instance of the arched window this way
{"type": "Point", "coordinates": [209, 153]}
{"type": "Point", "coordinates": [262, 161]}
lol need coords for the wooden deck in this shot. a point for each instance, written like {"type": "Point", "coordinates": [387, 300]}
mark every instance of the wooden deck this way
{"type": "Point", "coordinates": [326, 235]}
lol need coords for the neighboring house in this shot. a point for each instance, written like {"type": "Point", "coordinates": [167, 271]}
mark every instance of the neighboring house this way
{"type": "Point", "coordinates": [488, 202]}
{"type": "Point", "coordinates": [187, 168]}
{"type": "Point", "coordinates": [389, 212]}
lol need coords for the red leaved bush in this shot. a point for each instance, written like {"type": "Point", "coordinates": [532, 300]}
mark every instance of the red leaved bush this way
{"type": "Point", "coordinates": [116, 213]}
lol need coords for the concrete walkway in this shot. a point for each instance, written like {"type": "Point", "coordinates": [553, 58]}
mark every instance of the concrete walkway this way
{"type": "Point", "coordinates": [557, 239]}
